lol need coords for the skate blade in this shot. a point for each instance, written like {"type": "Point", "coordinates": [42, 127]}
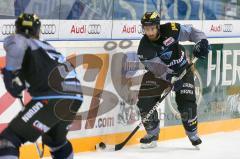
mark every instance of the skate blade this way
{"type": "Point", "coordinates": [152, 144]}
{"type": "Point", "coordinates": [197, 147]}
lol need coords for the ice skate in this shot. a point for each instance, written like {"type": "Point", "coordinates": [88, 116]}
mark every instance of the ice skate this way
{"type": "Point", "coordinates": [195, 139]}
{"type": "Point", "coordinates": [149, 141]}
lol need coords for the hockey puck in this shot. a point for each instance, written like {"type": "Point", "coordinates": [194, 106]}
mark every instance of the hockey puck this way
{"type": "Point", "coordinates": [100, 146]}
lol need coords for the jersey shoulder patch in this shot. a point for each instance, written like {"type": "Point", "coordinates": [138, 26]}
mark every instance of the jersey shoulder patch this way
{"type": "Point", "coordinates": [170, 29]}
{"type": "Point", "coordinates": [174, 26]}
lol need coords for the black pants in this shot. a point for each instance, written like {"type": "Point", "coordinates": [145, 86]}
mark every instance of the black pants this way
{"type": "Point", "coordinates": [47, 118]}
{"type": "Point", "coordinates": [186, 102]}
{"type": "Point", "coordinates": [185, 99]}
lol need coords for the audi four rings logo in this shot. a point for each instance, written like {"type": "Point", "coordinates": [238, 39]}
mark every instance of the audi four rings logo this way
{"type": "Point", "coordinates": [8, 29]}
{"type": "Point", "coordinates": [94, 29]}
{"type": "Point", "coordinates": [48, 29]}
{"type": "Point", "coordinates": [227, 28]}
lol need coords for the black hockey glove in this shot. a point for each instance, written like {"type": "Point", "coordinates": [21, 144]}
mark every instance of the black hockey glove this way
{"type": "Point", "coordinates": [13, 83]}
{"type": "Point", "coordinates": [201, 49]}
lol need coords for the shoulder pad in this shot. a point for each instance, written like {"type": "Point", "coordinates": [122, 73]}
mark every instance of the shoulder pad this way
{"type": "Point", "coordinates": [16, 41]}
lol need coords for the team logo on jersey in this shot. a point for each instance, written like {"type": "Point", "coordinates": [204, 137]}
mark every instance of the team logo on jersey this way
{"type": "Point", "coordinates": [168, 41]}
{"type": "Point", "coordinates": [166, 55]}
{"type": "Point", "coordinates": [178, 61]}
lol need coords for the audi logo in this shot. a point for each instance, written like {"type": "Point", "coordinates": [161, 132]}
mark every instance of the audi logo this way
{"type": "Point", "coordinates": [48, 29]}
{"type": "Point", "coordinates": [8, 29]}
{"type": "Point", "coordinates": [94, 29]}
{"type": "Point", "coordinates": [227, 28]}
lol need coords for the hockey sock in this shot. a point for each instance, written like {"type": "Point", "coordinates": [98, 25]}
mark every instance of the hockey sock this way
{"type": "Point", "coordinates": [63, 151]}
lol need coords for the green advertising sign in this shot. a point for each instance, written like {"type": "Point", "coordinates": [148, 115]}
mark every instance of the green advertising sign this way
{"type": "Point", "coordinates": [217, 81]}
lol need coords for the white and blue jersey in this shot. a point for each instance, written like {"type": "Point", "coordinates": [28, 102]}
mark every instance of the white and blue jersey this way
{"type": "Point", "coordinates": [47, 72]}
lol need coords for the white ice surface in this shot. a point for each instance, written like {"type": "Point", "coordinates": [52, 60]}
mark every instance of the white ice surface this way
{"type": "Point", "coordinates": [224, 145]}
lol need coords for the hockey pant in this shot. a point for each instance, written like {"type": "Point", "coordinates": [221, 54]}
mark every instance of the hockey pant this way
{"type": "Point", "coordinates": [185, 99]}
{"type": "Point", "coordinates": [47, 118]}
{"type": "Point", "coordinates": [186, 102]}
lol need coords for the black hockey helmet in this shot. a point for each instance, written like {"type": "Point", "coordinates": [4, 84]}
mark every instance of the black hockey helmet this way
{"type": "Point", "coordinates": [28, 25]}
{"type": "Point", "coordinates": [150, 18]}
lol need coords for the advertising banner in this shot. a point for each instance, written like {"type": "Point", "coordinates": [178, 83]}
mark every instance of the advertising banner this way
{"type": "Point", "coordinates": [221, 28]}
{"type": "Point", "coordinates": [217, 86]}
{"type": "Point", "coordinates": [127, 29]}
{"type": "Point", "coordinates": [132, 29]}
{"type": "Point", "coordinates": [49, 29]}
{"type": "Point", "coordinates": [85, 29]}
{"type": "Point", "coordinates": [115, 113]}
{"type": "Point", "coordinates": [216, 80]}
{"type": "Point", "coordinates": [116, 29]}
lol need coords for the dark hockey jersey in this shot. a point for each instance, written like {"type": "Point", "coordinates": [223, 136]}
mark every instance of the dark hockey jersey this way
{"type": "Point", "coordinates": [46, 72]}
{"type": "Point", "coordinates": [167, 47]}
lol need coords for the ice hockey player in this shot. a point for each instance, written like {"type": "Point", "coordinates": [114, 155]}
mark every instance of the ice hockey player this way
{"type": "Point", "coordinates": [163, 41]}
{"type": "Point", "coordinates": [51, 81]}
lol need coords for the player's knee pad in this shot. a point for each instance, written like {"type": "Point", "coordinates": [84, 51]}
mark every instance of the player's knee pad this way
{"type": "Point", "coordinates": [9, 145]}
{"type": "Point", "coordinates": [62, 151]}
{"type": "Point", "coordinates": [8, 150]}
{"type": "Point", "coordinates": [187, 109]}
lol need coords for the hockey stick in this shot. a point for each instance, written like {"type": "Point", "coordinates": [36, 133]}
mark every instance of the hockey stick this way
{"type": "Point", "coordinates": [103, 146]}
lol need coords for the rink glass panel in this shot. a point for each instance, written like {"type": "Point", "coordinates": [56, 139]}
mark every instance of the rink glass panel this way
{"type": "Point", "coordinates": [122, 10]}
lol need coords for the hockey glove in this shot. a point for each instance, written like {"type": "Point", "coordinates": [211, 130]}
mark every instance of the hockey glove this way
{"type": "Point", "coordinates": [13, 83]}
{"type": "Point", "coordinates": [201, 49]}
